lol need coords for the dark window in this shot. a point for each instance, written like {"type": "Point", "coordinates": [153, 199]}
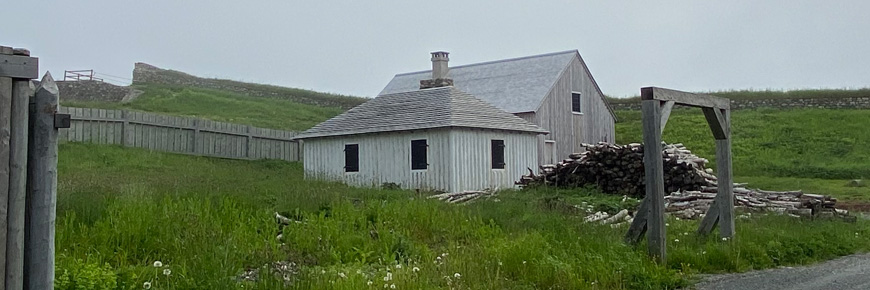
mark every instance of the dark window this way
{"type": "Point", "coordinates": [575, 102]}
{"type": "Point", "coordinates": [351, 158]}
{"type": "Point", "coordinates": [418, 154]}
{"type": "Point", "coordinates": [498, 154]}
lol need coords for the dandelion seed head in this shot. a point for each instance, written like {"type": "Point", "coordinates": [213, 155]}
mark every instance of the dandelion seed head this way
{"type": "Point", "coordinates": [676, 240]}
{"type": "Point", "coordinates": [342, 275]}
{"type": "Point", "coordinates": [416, 269]}
{"type": "Point", "coordinates": [146, 285]}
{"type": "Point", "coordinates": [167, 272]}
{"type": "Point", "coordinates": [392, 286]}
{"type": "Point", "coordinates": [398, 266]}
{"type": "Point", "coordinates": [457, 275]}
{"type": "Point", "coordinates": [369, 283]}
{"type": "Point", "coordinates": [322, 271]}
{"type": "Point", "coordinates": [158, 264]}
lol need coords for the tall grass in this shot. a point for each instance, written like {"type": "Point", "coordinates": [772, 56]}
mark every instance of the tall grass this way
{"type": "Point", "coordinates": [208, 220]}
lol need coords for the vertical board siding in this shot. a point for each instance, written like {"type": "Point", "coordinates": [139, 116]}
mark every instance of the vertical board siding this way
{"type": "Point", "coordinates": [177, 134]}
{"type": "Point", "coordinates": [459, 159]}
{"type": "Point", "coordinates": [569, 130]}
{"type": "Point", "coordinates": [384, 157]}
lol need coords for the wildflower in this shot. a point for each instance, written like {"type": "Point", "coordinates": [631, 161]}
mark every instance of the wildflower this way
{"type": "Point", "coordinates": [392, 286]}
{"type": "Point", "coordinates": [322, 271]}
{"type": "Point", "coordinates": [158, 264]}
{"type": "Point", "coordinates": [524, 262]}
{"type": "Point", "coordinates": [704, 253]}
{"type": "Point", "coordinates": [678, 218]}
{"type": "Point", "coordinates": [358, 271]}
{"type": "Point", "coordinates": [146, 285]}
{"type": "Point", "coordinates": [457, 275]}
{"type": "Point", "coordinates": [438, 258]}
{"type": "Point", "coordinates": [398, 266]}
{"type": "Point", "coordinates": [415, 269]}
{"type": "Point", "coordinates": [676, 240]}
{"type": "Point", "coordinates": [724, 239]}
{"type": "Point", "coordinates": [167, 272]}
{"type": "Point", "coordinates": [386, 285]}
{"type": "Point", "coordinates": [342, 275]}
{"type": "Point", "coordinates": [388, 277]}
{"type": "Point", "coordinates": [369, 283]}
{"type": "Point", "coordinates": [499, 263]}
{"type": "Point", "coordinates": [667, 224]}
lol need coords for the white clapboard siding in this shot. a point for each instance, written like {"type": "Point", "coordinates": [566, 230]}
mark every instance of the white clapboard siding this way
{"type": "Point", "coordinates": [178, 134]}
{"type": "Point", "coordinates": [459, 159]}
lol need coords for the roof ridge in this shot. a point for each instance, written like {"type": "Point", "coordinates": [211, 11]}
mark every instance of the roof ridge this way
{"type": "Point", "coordinates": [495, 61]}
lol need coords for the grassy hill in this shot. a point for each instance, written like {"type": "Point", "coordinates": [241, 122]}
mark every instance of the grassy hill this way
{"type": "Point", "coordinates": [208, 220]}
{"type": "Point", "coordinates": [769, 94]}
{"type": "Point", "coordinates": [222, 106]}
{"type": "Point", "coordinates": [817, 150]}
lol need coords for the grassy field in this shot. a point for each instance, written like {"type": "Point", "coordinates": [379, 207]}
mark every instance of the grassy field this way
{"type": "Point", "coordinates": [816, 150]}
{"type": "Point", "coordinates": [207, 220]}
{"type": "Point", "coordinates": [770, 94]}
{"type": "Point", "coordinates": [222, 106]}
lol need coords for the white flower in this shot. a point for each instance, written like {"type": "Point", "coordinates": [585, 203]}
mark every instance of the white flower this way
{"type": "Point", "coordinates": [386, 285]}
{"type": "Point", "coordinates": [358, 271]}
{"type": "Point", "coordinates": [369, 283]}
{"type": "Point", "coordinates": [457, 275]}
{"type": "Point", "coordinates": [158, 264]}
{"type": "Point", "coordinates": [667, 224]}
{"type": "Point", "coordinates": [704, 253]}
{"type": "Point", "coordinates": [342, 275]}
{"type": "Point", "coordinates": [676, 240]}
{"type": "Point", "coordinates": [724, 239]}
{"type": "Point", "coordinates": [438, 258]}
{"type": "Point", "coordinates": [146, 285]}
{"type": "Point", "coordinates": [415, 269]}
{"type": "Point", "coordinates": [167, 272]}
{"type": "Point", "coordinates": [524, 262]}
{"type": "Point", "coordinates": [322, 271]}
{"type": "Point", "coordinates": [398, 266]}
{"type": "Point", "coordinates": [392, 286]}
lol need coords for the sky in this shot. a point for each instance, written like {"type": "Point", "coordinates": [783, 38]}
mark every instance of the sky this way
{"type": "Point", "coordinates": [355, 47]}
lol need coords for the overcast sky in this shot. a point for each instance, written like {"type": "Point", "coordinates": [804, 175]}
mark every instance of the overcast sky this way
{"type": "Point", "coordinates": [355, 47]}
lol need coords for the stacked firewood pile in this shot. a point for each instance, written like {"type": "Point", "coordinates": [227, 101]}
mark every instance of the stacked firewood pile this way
{"type": "Point", "coordinates": [618, 169]}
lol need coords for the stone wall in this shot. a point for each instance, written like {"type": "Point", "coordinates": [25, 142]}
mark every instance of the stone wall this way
{"type": "Point", "coordinates": [90, 91]}
{"type": "Point", "coordinates": [146, 73]}
{"type": "Point", "coordinates": [825, 103]}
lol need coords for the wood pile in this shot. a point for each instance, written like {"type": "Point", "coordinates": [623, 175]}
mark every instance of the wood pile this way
{"type": "Point", "coordinates": [618, 169]}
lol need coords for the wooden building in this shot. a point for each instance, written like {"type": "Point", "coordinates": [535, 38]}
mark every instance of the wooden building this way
{"type": "Point", "coordinates": [555, 91]}
{"type": "Point", "coordinates": [433, 137]}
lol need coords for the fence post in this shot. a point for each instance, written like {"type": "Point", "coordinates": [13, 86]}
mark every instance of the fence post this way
{"type": "Point", "coordinates": [5, 132]}
{"type": "Point", "coordinates": [41, 197]}
{"type": "Point", "coordinates": [653, 171]}
{"type": "Point", "coordinates": [248, 143]}
{"type": "Point", "coordinates": [125, 126]}
{"type": "Point", "coordinates": [195, 135]}
{"type": "Point", "coordinates": [22, 90]}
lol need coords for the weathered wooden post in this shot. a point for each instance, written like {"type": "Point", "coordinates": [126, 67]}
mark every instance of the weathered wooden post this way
{"type": "Point", "coordinates": [40, 215]}
{"type": "Point", "coordinates": [656, 108]}
{"type": "Point", "coordinates": [5, 133]}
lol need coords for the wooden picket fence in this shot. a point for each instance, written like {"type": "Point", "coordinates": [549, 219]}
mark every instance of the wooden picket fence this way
{"type": "Point", "coordinates": [179, 134]}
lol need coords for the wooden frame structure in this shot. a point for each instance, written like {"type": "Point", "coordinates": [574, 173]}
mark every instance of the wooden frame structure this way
{"type": "Point", "coordinates": [650, 217]}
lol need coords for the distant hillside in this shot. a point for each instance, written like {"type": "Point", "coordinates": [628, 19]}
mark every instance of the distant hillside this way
{"type": "Point", "coordinates": [224, 106]}
{"type": "Point", "coordinates": [144, 73]}
{"type": "Point", "coordinates": [768, 94]}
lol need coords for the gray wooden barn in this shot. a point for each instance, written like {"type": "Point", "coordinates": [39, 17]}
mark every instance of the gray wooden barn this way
{"type": "Point", "coordinates": [555, 91]}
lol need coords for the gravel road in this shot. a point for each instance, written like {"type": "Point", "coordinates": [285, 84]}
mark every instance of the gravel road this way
{"type": "Point", "coordinates": [846, 273]}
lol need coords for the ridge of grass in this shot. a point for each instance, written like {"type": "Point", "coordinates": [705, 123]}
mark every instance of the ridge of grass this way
{"type": "Point", "coordinates": [771, 94]}
{"type": "Point", "coordinates": [221, 106]}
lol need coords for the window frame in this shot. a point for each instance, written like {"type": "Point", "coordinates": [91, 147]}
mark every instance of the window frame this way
{"type": "Point", "coordinates": [420, 165]}
{"type": "Point", "coordinates": [348, 169]}
{"type": "Point", "coordinates": [493, 144]}
{"type": "Point", "coordinates": [579, 103]}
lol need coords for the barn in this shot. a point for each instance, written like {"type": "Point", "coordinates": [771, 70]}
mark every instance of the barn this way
{"type": "Point", "coordinates": [554, 91]}
{"type": "Point", "coordinates": [436, 137]}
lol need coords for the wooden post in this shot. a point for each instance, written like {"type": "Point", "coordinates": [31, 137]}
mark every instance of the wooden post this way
{"type": "Point", "coordinates": [722, 209]}
{"type": "Point", "coordinates": [22, 89]}
{"type": "Point", "coordinates": [40, 215]}
{"type": "Point", "coordinates": [248, 144]}
{"type": "Point", "coordinates": [125, 126]}
{"type": "Point", "coordinates": [654, 178]}
{"type": "Point", "coordinates": [196, 136]}
{"type": "Point", "coordinates": [5, 133]}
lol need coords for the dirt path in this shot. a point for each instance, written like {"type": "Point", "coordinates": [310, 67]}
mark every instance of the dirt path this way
{"type": "Point", "coordinates": [846, 273]}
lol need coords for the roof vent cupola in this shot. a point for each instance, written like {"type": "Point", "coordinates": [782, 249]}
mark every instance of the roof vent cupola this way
{"type": "Point", "coordinates": [439, 72]}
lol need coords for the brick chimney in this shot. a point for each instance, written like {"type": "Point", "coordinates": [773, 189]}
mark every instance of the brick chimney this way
{"type": "Point", "coordinates": [439, 72]}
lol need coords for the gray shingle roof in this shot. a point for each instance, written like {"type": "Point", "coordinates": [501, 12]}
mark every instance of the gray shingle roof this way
{"type": "Point", "coordinates": [513, 85]}
{"type": "Point", "coordinates": [420, 109]}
